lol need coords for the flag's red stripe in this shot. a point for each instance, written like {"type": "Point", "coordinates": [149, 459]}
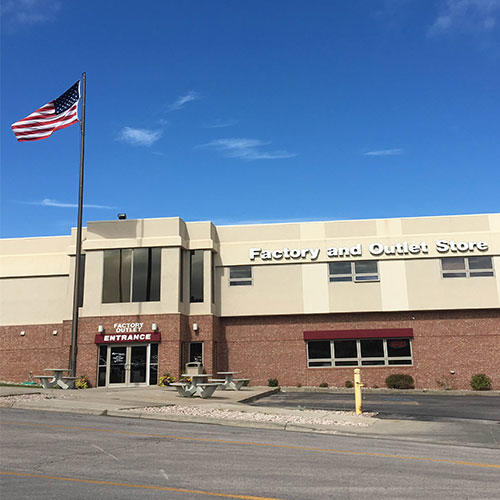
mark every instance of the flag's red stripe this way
{"type": "Point", "coordinates": [69, 119]}
{"type": "Point", "coordinates": [39, 124]}
{"type": "Point", "coordinates": [52, 118]}
{"type": "Point", "coordinates": [45, 131]}
{"type": "Point", "coordinates": [27, 138]}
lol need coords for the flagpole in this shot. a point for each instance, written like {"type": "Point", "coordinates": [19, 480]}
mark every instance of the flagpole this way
{"type": "Point", "coordinates": [74, 324]}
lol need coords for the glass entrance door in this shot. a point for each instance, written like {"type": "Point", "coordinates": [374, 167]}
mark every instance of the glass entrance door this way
{"type": "Point", "coordinates": [138, 364]}
{"type": "Point", "coordinates": [128, 365]}
{"type": "Point", "coordinates": [117, 364]}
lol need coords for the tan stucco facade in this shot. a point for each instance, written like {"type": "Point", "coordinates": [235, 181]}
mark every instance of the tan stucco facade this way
{"type": "Point", "coordinates": [36, 274]}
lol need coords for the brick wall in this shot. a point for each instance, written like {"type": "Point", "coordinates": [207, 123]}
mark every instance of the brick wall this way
{"type": "Point", "coordinates": [260, 348]}
{"type": "Point", "coordinates": [467, 342]}
{"type": "Point", "coordinates": [36, 350]}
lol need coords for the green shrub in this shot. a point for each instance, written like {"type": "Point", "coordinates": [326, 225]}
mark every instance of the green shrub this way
{"type": "Point", "coordinates": [400, 381]}
{"type": "Point", "coordinates": [82, 382]}
{"type": "Point", "coordinates": [299, 385]}
{"type": "Point", "coordinates": [349, 384]}
{"type": "Point", "coordinates": [272, 382]}
{"type": "Point", "coordinates": [323, 384]}
{"type": "Point", "coordinates": [480, 382]}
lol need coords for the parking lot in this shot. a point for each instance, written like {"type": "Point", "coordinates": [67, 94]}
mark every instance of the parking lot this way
{"type": "Point", "coordinates": [418, 406]}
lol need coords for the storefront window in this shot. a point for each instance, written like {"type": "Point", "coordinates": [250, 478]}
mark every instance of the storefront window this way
{"type": "Point", "coordinates": [359, 352]}
{"type": "Point", "coordinates": [153, 365]}
{"type": "Point", "coordinates": [101, 375]}
{"type": "Point", "coordinates": [319, 353]}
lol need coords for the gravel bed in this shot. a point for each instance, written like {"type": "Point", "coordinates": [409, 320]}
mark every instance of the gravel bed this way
{"type": "Point", "coordinates": [10, 400]}
{"type": "Point", "coordinates": [311, 417]}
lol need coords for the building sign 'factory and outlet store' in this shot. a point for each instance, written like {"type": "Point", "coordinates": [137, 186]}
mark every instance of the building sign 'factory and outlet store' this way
{"type": "Point", "coordinates": [375, 249]}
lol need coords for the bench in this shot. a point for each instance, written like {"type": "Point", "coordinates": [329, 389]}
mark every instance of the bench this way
{"type": "Point", "coordinates": [230, 383]}
{"type": "Point", "coordinates": [57, 379]}
{"type": "Point", "coordinates": [187, 389]}
{"type": "Point", "coordinates": [69, 381]}
{"type": "Point", "coordinates": [47, 381]}
{"type": "Point", "coordinates": [207, 389]}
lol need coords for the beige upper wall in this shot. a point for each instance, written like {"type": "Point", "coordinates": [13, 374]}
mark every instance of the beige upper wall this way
{"type": "Point", "coordinates": [29, 266]}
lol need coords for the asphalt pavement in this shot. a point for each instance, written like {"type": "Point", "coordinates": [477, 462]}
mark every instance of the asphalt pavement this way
{"type": "Point", "coordinates": [420, 418]}
{"type": "Point", "coordinates": [407, 405]}
{"type": "Point", "coordinates": [47, 455]}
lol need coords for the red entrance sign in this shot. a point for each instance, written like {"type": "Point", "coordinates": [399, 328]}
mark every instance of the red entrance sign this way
{"type": "Point", "coordinates": [113, 338]}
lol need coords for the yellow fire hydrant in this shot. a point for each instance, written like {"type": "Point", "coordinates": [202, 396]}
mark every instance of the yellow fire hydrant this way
{"type": "Point", "coordinates": [357, 391]}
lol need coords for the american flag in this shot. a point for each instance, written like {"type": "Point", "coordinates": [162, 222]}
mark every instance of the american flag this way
{"type": "Point", "coordinates": [57, 114]}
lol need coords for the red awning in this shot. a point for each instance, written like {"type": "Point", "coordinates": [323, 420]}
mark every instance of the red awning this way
{"type": "Point", "coordinates": [372, 333]}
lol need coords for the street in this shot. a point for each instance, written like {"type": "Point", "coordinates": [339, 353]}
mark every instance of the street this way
{"type": "Point", "coordinates": [56, 455]}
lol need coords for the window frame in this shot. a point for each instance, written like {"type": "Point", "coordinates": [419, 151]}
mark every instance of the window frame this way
{"type": "Point", "coordinates": [244, 281]}
{"type": "Point", "coordinates": [359, 360]}
{"type": "Point", "coordinates": [469, 273]}
{"type": "Point", "coordinates": [353, 276]}
{"type": "Point", "coordinates": [196, 258]}
{"type": "Point", "coordinates": [131, 275]}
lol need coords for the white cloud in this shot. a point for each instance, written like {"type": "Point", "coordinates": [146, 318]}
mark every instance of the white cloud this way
{"type": "Point", "coordinates": [384, 152]}
{"type": "Point", "coordinates": [183, 100]}
{"type": "Point", "coordinates": [221, 123]}
{"type": "Point", "coordinates": [29, 12]}
{"type": "Point", "coordinates": [139, 136]}
{"type": "Point", "coordinates": [47, 202]}
{"type": "Point", "coordinates": [246, 149]}
{"type": "Point", "coordinates": [466, 16]}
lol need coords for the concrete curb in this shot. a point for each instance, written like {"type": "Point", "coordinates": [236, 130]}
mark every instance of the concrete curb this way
{"type": "Point", "coordinates": [339, 430]}
{"type": "Point", "coordinates": [368, 390]}
{"type": "Point", "coordinates": [251, 399]}
{"type": "Point", "coordinates": [195, 420]}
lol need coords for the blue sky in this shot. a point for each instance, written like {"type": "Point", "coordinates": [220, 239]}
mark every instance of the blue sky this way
{"type": "Point", "coordinates": [251, 112]}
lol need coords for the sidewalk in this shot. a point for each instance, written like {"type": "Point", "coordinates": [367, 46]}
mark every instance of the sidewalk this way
{"type": "Point", "coordinates": [230, 408]}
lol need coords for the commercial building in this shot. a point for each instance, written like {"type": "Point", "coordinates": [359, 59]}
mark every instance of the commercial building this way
{"type": "Point", "coordinates": [304, 303]}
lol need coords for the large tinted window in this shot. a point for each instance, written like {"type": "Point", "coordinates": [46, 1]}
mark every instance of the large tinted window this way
{"type": "Point", "coordinates": [146, 274]}
{"type": "Point", "coordinates": [131, 275]}
{"type": "Point", "coordinates": [81, 282]}
{"type": "Point", "coordinates": [196, 276]}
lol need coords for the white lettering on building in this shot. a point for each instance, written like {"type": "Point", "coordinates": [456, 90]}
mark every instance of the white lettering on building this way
{"type": "Point", "coordinates": [443, 246]}
{"type": "Point", "coordinates": [286, 253]}
{"type": "Point", "coordinates": [376, 249]}
{"type": "Point", "coordinates": [128, 327]}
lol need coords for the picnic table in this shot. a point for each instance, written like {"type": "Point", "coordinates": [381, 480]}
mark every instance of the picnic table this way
{"type": "Point", "coordinates": [229, 382]}
{"type": "Point", "coordinates": [196, 385]}
{"type": "Point", "coordinates": [56, 379]}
